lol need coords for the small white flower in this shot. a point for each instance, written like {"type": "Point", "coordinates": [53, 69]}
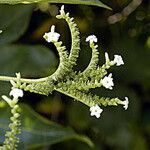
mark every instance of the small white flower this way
{"type": "Point", "coordinates": [91, 39]}
{"type": "Point", "coordinates": [118, 60]}
{"type": "Point", "coordinates": [1, 31]}
{"type": "Point", "coordinates": [16, 93]}
{"type": "Point", "coordinates": [107, 82]}
{"type": "Point", "coordinates": [51, 36]}
{"type": "Point", "coordinates": [126, 103]}
{"type": "Point", "coordinates": [96, 111]}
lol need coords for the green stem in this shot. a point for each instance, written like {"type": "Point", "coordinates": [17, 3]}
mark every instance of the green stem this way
{"type": "Point", "coordinates": [7, 78]}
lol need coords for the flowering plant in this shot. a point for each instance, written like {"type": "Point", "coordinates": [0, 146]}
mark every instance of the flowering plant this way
{"type": "Point", "coordinates": [65, 80]}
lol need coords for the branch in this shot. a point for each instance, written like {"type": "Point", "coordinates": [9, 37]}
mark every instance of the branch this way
{"type": "Point", "coordinates": [125, 12]}
{"type": "Point", "coordinates": [23, 80]}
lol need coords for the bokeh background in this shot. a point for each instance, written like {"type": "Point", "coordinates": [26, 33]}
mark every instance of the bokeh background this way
{"type": "Point", "coordinates": [125, 31]}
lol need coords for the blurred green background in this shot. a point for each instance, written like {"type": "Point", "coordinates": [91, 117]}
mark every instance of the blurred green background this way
{"type": "Point", "coordinates": [125, 31]}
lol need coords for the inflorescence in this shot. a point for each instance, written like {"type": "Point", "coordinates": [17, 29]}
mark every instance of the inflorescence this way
{"type": "Point", "coordinates": [65, 80]}
{"type": "Point", "coordinates": [106, 81]}
{"type": "Point", "coordinates": [72, 83]}
{"type": "Point", "coordinates": [11, 139]}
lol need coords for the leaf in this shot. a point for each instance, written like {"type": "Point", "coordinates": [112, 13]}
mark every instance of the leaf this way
{"type": "Point", "coordinates": [29, 60]}
{"type": "Point", "coordinates": [38, 131]}
{"type": "Point", "coordinates": [14, 21]}
{"type": "Point", "coordinates": [85, 2]}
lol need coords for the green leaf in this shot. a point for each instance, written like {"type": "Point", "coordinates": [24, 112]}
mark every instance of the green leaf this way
{"type": "Point", "coordinates": [85, 2]}
{"type": "Point", "coordinates": [14, 21]}
{"type": "Point", "coordinates": [29, 60]}
{"type": "Point", "coordinates": [38, 131]}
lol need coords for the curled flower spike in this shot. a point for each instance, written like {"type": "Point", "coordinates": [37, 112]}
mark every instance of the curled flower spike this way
{"type": "Point", "coordinates": [91, 39]}
{"type": "Point", "coordinates": [107, 82]}
{"type": "Point", "coordinates": [96, 111]}
{"type": "Point", "coordinates": [16, 93]}
{"type": "Point", "coordinates": [118, 60]}
{"type": "Point", "coordinates": [51, 36]}
{"type": "Point", "coordinates": [126, 103]}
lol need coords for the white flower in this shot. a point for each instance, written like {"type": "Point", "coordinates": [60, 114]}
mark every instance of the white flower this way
{"type": "Point", "coordinates": [107, 82]}
{"type": "Point", "coordinates": [126, 103]}
{"type": "Point", "coordinates": [1, 31]}
{"type": "Point", "coordinates": [96, 111]}
{"type": "Point", "coordinates": [51, 36]}
{"type": "Point", "coordinates": [16, 93]}
{"type": "Point", "coordinates": [118, 60]}
{"type": "Point", "coordinates": [91, 39]}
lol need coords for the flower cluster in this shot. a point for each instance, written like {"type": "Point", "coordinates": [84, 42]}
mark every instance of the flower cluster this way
{"type": "Point", "coordinates": [67, 62]}
{"type": "Point", "coordinates": [11, 138]}
{"type": "Point", "coordinates": [76, 84]}
{"type": "Point", "coordinates": [107, 81]}
{"type": "Point", "coordinates": [65, 79]}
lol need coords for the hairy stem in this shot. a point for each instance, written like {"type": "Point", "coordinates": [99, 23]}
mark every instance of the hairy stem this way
{"type": "Point", "coordinates": [7, 78]}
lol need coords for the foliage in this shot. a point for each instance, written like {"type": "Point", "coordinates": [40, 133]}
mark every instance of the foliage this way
{"type": "Point", "coordinates": [85, 2]}
{"type": "Point", "coordinates": [37, 131]}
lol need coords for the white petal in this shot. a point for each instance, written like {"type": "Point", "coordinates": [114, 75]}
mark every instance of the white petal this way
{"type": "Point", "coordinates": [96, 111]}
{"type": "Point", "coordinates": [107, 82]}
{"type": "Point", "coordinates": [16, 93]}
{"type": "Point", "coordinates": [91, 38]}
{"type": "Point", "coordinates": [92, 114]}
{"type": "Point", "coordinates": [126, 103]}
{"type": "Point", "coordinates": [118, 60]}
